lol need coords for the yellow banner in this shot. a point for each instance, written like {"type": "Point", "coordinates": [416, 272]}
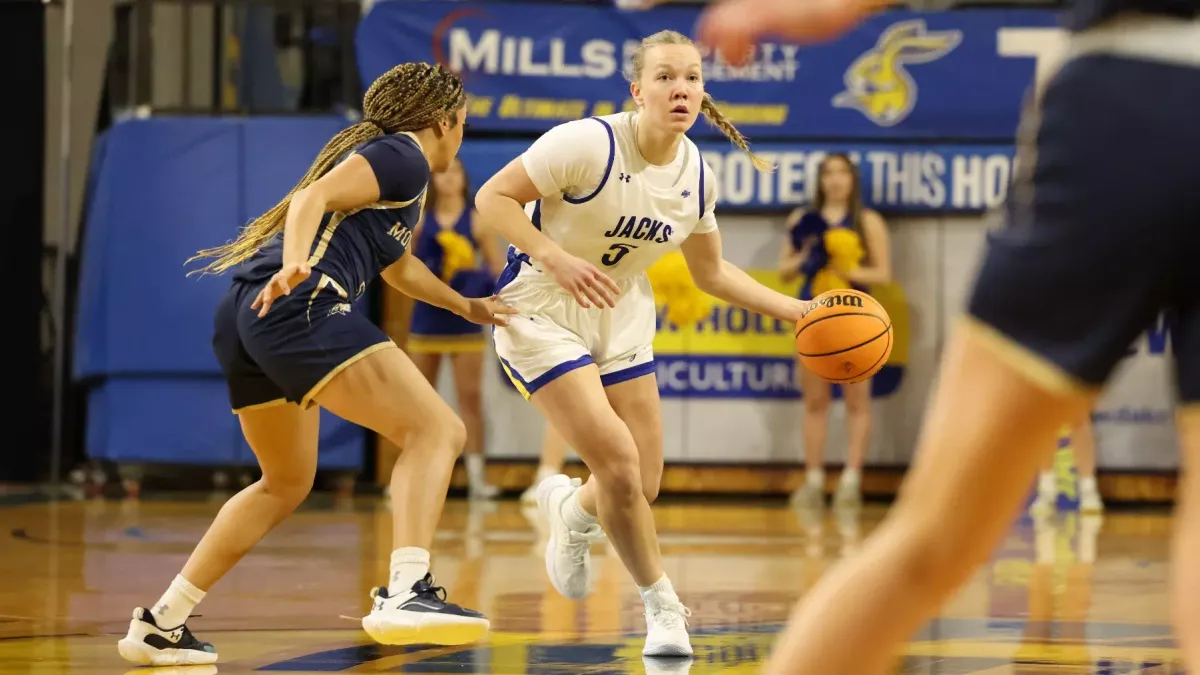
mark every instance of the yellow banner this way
{"type": "Point", "coordinates": [733, 331]}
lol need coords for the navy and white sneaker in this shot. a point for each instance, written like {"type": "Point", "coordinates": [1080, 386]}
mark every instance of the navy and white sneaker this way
{"type": "Point", "coordinates": [148, 645]}
{"type": "Point", "coordinates": [422, 616]}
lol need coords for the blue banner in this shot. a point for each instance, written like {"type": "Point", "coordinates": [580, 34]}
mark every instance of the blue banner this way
{"type": "Point", "coordinates": [900, 75]}
{"type": "Point", "coordinates": [942, 178]}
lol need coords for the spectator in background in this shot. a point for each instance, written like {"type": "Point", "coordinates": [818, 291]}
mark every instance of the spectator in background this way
{"type": "Point", "coordinates": [835, 244]}
{"type": "Point", "coordinates": [453, 245]}
{"type": "Point", "coordinates": [1083, 444]}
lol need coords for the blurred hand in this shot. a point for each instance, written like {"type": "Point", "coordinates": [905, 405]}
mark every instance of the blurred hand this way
{"type": "Point", "coordinates": [733, 27]}
{"type": "Point", "coordinates": [281, 284]}
{"type": "Point", "coordinates": [488, 311]}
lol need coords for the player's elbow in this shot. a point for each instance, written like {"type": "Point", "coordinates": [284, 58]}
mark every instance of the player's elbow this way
{"type": "Point", "coordinates": [708, 278]}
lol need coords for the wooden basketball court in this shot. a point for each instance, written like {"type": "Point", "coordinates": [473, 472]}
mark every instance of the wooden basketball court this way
{"type": "Point", "coordinates": [1072, 595]}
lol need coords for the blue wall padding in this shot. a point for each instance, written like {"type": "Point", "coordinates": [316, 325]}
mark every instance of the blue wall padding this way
{"type": "Point", "coordinates": [160, 190]}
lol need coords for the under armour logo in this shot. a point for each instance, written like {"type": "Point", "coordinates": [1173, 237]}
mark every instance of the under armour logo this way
{"type": "Point", "coordinates": [687, 193]}
{"type": "Point", "coordinates": [624, 176]}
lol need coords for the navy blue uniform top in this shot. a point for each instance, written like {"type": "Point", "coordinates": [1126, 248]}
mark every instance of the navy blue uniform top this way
{"type": "Point", "coordinates": [1087, 13]}
{"type": "Point", "coordinates": [354, 247]}
{"type": "Point", "coordinates": [812, 226]}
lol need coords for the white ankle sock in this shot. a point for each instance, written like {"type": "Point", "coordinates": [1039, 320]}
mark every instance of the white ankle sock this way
{"type": "Point", "coordinates": [409, 565]}
{"type": "Point", "coordinates": [175, 606]}
{"type": "Point", "coordinates": [1087, 485]}
{"type": "Point", "coordinates": [475, 471]}
{"type": "Point", "coordinates": [545, 471]}
{"type": "Point", "coordinates": [815, 478]}
{"type": "Point", "coordinates": [851, 477]}
{"type": "Point", "coordinates": [661, 589]}
{"type": "Point", "coordinates": [1048, 483]}
{"type": "Point", "coordinates": [577, 519]}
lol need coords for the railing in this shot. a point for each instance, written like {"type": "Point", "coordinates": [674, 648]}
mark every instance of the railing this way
{"type": "Point", "coordinates": [233, 57]}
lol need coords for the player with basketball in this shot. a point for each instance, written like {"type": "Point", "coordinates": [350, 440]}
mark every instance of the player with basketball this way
{"type": "Point", "coordinates": [287, 337]}
{"type": "Point", "coordinates": [1046, 322]}
{"type": "Point", "coordinates": [612, 193]}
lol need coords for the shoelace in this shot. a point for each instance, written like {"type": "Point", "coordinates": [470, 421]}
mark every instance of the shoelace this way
{"type": "Point", "coordinates": [577, 546]}
{"type": "Point", "coordinates": [426, 590]}
{"type": "Point", "coordinates": [671, 616]}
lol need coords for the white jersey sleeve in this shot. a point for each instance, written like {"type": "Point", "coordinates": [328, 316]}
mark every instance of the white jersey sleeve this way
{"type": "Point", "coordinates": [570, 158]}
{"type": "Point", "coordinates": [708, 220]}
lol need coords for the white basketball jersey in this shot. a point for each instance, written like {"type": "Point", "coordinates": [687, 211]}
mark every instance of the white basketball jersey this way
{"type": "Point", "coordinates": [604, 203]}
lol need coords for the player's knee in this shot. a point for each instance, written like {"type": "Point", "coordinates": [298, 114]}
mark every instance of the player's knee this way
{"type": "Point", "coordinates": [816, 402]}
{"type": "Point", "coordinates": [444, 435]}
{"type": "Point", "coordinates": [291, 487]}
{"type": "Point", "coordinates": [617, 472]}
{"type": "Point", "coordinates": [470, 400]}
{"type": "Point", "coordinates": [858, 406]}
{"type": "Point", "coordinates": [933, 558]}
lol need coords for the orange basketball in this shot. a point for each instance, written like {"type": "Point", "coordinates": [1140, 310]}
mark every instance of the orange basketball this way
{"type": "Point", "coordinates": [844, 336]}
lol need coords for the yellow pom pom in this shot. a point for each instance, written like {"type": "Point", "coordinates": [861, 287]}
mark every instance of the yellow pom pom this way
{"type": "Point", "coordinates": [673, 287]}
{"type": "Point", "coordinates": [828, 279]}
{"type": "Point", "coordinates": [845, 249]}
{"type": "Point", "coordinates": [457, 253]}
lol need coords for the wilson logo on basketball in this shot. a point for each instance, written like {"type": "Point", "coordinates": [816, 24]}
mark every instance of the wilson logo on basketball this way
{"type": "Point", "coordinates": [845, 300]}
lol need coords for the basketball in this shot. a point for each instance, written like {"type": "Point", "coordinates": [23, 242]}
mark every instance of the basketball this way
{"type": "Point", "coordinates": [845, 336]}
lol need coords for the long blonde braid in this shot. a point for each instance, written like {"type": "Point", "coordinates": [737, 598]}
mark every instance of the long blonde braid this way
{"type": "Point", "coordinates": [409, 97]}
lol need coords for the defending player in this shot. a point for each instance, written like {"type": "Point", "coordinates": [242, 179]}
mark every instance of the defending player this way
{"type": "Point", "coordinates": [288, 337]}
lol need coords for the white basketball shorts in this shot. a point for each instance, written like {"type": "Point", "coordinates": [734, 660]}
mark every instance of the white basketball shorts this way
{"type": "Point", "coordinates": [554, 335]}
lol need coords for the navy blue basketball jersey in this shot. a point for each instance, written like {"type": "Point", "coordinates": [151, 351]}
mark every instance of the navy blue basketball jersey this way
{"type": "Point", "coordinates": [1087, 13]}
{"type": "Point", "coordinates": [354, 247]}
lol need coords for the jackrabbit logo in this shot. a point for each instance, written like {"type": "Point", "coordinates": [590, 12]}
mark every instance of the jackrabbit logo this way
{"type": "Point", "coordinates": [878, 85]}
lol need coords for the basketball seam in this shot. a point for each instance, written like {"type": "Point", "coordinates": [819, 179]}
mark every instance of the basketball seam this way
{"type": "Point", "coordinates": [844, 380]}
{"type": "Point", "coordinates": [833, 316]}
{"type": "Point", "coordinates": [886, 328]}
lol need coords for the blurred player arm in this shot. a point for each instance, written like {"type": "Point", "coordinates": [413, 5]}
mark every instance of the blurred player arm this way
{"type": "Point", "coordinates": [789, 258]}
{"type": "Point", "coordinates": [411, 277]}
{"type": "Point", "coordinates": [721, 279]}
{"type": "Point", "coordinates": [878, 269]}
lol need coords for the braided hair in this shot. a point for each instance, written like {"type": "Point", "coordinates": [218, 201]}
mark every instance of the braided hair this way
{"type": "Point", "coordinates": [409, 97]}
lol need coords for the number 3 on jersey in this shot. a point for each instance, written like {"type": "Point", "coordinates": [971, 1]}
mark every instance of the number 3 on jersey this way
{"type": "Point", "coordinates": [615, 253]}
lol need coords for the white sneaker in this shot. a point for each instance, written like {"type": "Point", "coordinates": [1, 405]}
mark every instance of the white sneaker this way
{"type": "Point", "coordinates": [1090, 502]}
{"type": "Point", "coordinates": [807, 497]}
{"type": "Point", "coordinates": [529, 496]}
{"type": "Point", "coordinates": [148, 645]}
{"type": "Point", "coordinates": [568, 553]}
{"type": "Point", "coordinates": [422, 616]}
{"type": "Point", "coordinates": [1045, 504]}
{"type": "Point", "coordinates": [666, 627]}
{"type": "Point", "coordinates": [848, 495]}
{"type": "Point", "coordinates": [484, 491]}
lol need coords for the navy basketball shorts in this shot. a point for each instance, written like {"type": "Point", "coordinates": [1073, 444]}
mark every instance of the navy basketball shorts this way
{"type": "Point", "coordinates": [1102, 231]}
{"type": "Point", "coordinates": [289, 355]}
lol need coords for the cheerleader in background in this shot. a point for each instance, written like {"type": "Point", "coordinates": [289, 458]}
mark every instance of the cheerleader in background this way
{"type": "Point", "coordinates": [450, 241]}
{"type": "Point", "coordinates": [825, 246]}
{"type": "Point", "coordinates": [1083, 445]}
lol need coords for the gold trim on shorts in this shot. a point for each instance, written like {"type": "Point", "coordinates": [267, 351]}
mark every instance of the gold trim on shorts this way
{"type": "Point", "coordinates": [1041, 371]}
{"type": "Point", "coordinates": [516, 383]}
{"type": "Point", "coordinates": [306, 402]}
{"type": "Point", "coordinates": [259, 406]}
{"type": "Point", "coordinates": [445, 344]}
